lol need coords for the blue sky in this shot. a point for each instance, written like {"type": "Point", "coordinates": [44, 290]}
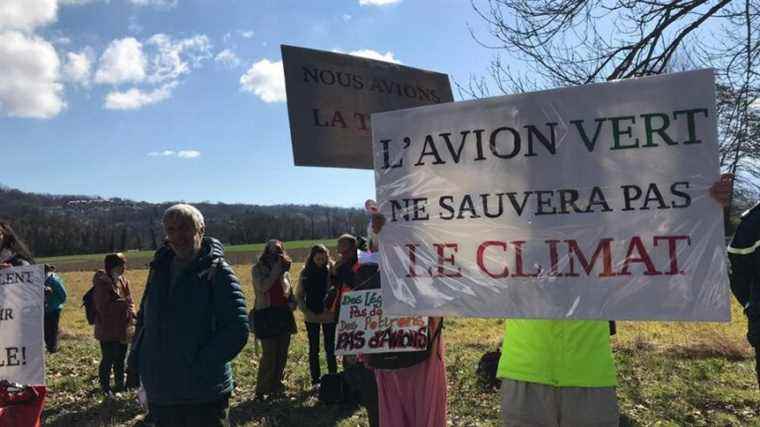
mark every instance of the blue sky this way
{"type": "Point", "coordinates": [145, 99]}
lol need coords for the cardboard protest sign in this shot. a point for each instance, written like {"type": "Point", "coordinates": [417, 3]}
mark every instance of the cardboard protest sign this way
{"type": "Point", "coordinates": [331, 96]}
{"type": "Point", "coordinates": [364, 329]}
{"type": "Point", "coordinates": [22, 306]}
{"type": "Point", "coordinates": [587, 202]}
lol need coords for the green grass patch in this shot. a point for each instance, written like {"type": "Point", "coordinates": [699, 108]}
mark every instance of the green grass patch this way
{"type": "Point", "coordinates": [254, 247]}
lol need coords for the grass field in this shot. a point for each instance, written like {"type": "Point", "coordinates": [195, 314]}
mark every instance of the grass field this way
{"type": "Point", "coordinates": [669, 374]}
{"type": "Point", "coordinates": [234, 253]}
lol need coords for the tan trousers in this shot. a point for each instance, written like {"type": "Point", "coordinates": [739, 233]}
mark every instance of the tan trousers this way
{"type": "Point", "coordinates": [525, 404]}
{"type": "Point", "coordinates": [274, 356]}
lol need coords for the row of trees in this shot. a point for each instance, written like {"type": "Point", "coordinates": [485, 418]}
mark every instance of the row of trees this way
{"type": "Point", "coordinates": [67, 225]}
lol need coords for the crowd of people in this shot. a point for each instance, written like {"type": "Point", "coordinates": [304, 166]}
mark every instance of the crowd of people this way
{"type": "Point", "coordinates": [192, 322]}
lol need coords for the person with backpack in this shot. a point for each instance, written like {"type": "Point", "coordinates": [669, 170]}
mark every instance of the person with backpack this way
{"type": "Point", "coordinates": [273, 319]}
{"type": "Point", "coordinates": [192, 323]}
{"type": "Point", "coordinates": [55, 297]}
{"type": "Point", "coordinates": [13, 252]}
{"type": "Point", "coordinates": [114, 320]}
{"type": "Point", "coordinates": [310, 294]}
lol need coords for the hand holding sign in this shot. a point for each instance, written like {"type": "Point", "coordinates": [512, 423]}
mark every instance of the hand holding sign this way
{"type": "Point", "coordinates": [721, 190]}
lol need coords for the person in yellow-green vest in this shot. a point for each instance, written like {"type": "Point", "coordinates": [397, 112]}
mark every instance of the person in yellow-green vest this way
{"type": "Point", "coordinates": [561, 372]}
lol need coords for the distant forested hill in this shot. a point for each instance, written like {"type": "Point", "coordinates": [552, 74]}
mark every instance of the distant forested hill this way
{"type": "Point", "coordinates": [55, 225]}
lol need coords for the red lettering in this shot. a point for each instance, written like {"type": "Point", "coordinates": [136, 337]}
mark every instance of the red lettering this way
{"type": "Point", "coordinates": [412, 260]}
{"type": "Point", "coordinates": [672, 242]}
{"type": "Point", "coordinates": [481, 252]}
{"type": "Point", "coordinates": [442, 270]}
{"type": "Point", "coordinates": [604, 247]}
{"type": "Point", "coordinates": [553, 258]}
{"type": "Point", "coordinates": [519, 261]}
{"type": "Point", "coordinates": [643, 258]}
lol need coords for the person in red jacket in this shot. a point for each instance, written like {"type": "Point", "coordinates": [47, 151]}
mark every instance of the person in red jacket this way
{"type": "Point", "coordinates": [114, 322]}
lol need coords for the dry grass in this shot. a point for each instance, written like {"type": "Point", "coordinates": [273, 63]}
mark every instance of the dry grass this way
{"type": "Point", "coordinates": [670, 373]}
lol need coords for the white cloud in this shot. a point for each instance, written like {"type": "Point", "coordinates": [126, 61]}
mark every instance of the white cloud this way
{"type": "Point", "coordinates": [372, 54]}
{"type": "Point", "coordinates": [123, 61]}
{"type": "Point", "coordinates": [78, 65]}
{"type": "Point", "coordinates": [175, 58]}
{"type": "Point", "coordinates": [266, 80]}
{"type": "Point", "coordinates": [158, 64]}
{"type": "Point", "coordinates": [26, 15]}
{"type": "Point", "coordinates": [188, 154]}
{"type": "Point", "coordinates": [246, 34]}
{"type": "Point", "coordinates": [30, 69]}
{"type": "Point", "coordinates": [346, 17]}
{"type": "Point", "coordinates": [378, 2]}
{"type": "Point", "coordinates": [165, 4]}
{"type": "Point", "coordinates": [165, 153]}
{"type": "Point", "coordinates": [136, 98]}
{"type": "Point", "coordinates": [227, 58]}
{"type": "Point", "coordinates": [182, 154]}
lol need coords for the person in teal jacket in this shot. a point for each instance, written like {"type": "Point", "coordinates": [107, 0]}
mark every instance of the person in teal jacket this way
{"type": "Point", "coordinates": [191, 324]}
{"type": "Point", "coordinates": [55, 297]}
{"type": "Point", "coordinates": [561, 372]}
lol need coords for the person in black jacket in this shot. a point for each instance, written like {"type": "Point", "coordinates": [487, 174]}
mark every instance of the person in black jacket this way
{"type": "Point", "coordinates": [310, 295]}
{"type": "Point", "coordinates": [744, 256]}
{"type": "Point", "coordinates": [192, 323]}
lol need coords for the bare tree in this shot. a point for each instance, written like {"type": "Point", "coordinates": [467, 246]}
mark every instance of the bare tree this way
{"type": "Point", "coordinates": [555, 43]}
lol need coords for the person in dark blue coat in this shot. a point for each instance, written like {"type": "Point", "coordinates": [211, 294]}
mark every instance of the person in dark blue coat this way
{"type": "Point", "coordinates": [192, 323]}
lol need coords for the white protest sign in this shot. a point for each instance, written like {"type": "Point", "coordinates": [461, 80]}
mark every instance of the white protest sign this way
{"type": "Point", "coordinates": [588, 202]}
{"type": "Point", "coordinates": [364, 329]}
{"type": "Point", "coordinates": [22, 306]}
{"type": "Point", "coordinates": [331, 96]}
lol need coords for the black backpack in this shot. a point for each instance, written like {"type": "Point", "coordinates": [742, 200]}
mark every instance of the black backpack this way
{"type": "Point", "coordinates": [368, 277]}
{"type": "Point", "coordinates": [488, 365]}
{"type": "Point", "coordinates": [88, 302]}
{"type": "Point", "coordinates": [331, 389]}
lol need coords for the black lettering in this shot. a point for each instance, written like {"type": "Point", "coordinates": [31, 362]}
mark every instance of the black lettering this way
{"type": "Point", "coordinates": [628, 197]}
{"type": "Point", "coordinates": [433, 152]}
{"type": "Point", "coordinates": [467, 206]}
{"type": "Point", "coordinates": [329, 81]}
{"type": "Point", "coordinates": [519, 207]}
{"type": "Point", "coordinates": [590, 145]}
{"type": "Point", "coordinates": [597, 198]}
{"type": "Point", "coordinates": [515, 142]}
{"type": "Point", "coordinates": [541, 203]}
{"type": "Point", "coordinates": [310, 73]}
{"type": "Point", "coordinates": [442, 203]}
{"type": "Point", "coordinates": [500, 198]}
{"type": "Point", "coordinates": [549, 145]}
{"type": "Point", "coordinates": [455, 154]}
{"type": "Point", "coordinates": [685, 196]}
